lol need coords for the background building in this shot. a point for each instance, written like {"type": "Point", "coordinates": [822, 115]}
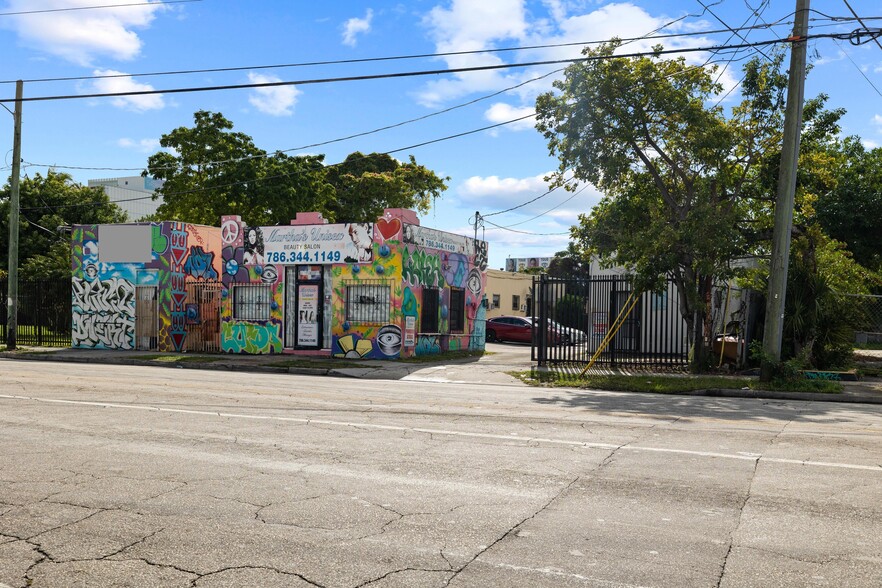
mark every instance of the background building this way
{"type": "Point", "coordinates": [134, 194]}
{"type": "Point", "coordinates": [508, 293]}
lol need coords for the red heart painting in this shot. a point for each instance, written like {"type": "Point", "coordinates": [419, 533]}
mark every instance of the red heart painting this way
{"type": "Point", "coordinates": [389, 229]}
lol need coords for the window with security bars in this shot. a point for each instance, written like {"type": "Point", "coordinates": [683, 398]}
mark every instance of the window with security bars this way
{"type": "Point", "coordinates": [252, 302]}
{"type": "Point", "coordinates": [368, 302]}
{"type": "Point", "coordinates": [515, 302]}
{"type": "Point", "coordinates": [429, 311]}
{"type": "Point", "coordinates": [496, 301]}
{"type": "Point", "coordinates": [457, 310]}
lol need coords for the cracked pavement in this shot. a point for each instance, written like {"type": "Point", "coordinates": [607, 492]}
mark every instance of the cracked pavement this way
{"type": "Point", "coordinates": [114, 476]}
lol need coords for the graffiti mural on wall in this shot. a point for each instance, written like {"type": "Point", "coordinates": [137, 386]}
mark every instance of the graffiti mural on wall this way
{"type": "Point", "coordinates": [421, 268]}
{"type": "Point", "coordinates": [251, 338]}
{"type": "Point", "coordinates": [428, 345]}
{"type": "Point", "coordinates": [103, 313]}
{"type": "Point", "coordinates": [479, 331]}
{"type": "Point", "coordinates": [171, 265]}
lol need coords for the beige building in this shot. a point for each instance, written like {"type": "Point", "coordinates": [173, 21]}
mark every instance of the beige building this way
{"type": "Point", "coordinates": [508, 293]}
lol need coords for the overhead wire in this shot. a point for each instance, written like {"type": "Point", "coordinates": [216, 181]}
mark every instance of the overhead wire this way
{"type": "Point", "coordinates": [407, 74]}
{"type": "Point", "coordinates": [860, 20]}
{"type": "Point", "coordinates": [626, 40]}
{"type": "Point", "coordinates": [76, 8]}
{"type": "Point", "coordinates": [286, 175]}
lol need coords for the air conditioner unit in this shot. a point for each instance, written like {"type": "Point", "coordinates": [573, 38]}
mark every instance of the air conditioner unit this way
{"type": "Point", "coordinates": [523, 308]}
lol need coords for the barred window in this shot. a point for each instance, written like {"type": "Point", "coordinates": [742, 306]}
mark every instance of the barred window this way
{"type": "Point", "coordinates": [515, 302]}
{"type": "Point", "coordinates": [252, 302]}
{"type": "Point", "coordinates": [457, 310]}
{"type": "Point", "coordinates": [368, 302]}
{"type": "Point", "coordinates": [429, 311]}
{"type": "Point", "coordinates": [496, 301]}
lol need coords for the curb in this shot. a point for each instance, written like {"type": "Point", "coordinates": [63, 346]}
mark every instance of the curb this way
{"type": "Point", "coordinates": [844, 397]}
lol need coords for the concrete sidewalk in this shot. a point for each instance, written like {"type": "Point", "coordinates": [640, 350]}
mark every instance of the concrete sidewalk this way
{"type": "Point", "coordinates": [493, 368]}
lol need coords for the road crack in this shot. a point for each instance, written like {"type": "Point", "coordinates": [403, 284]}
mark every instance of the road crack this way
{"type": "Point", "coordinates": [511, 530]}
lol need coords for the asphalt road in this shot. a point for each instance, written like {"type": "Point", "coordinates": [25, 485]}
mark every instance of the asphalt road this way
{"type": "Point", "coordinates": [127, 476]}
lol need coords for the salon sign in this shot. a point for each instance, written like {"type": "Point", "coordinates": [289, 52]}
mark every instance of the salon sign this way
{"type": "Point", "coordinates": [434, 239]}
{"type": "Point", "coordinates": [338, 243]}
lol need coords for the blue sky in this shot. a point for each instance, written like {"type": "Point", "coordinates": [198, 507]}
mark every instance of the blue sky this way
{"type": "Point", "coordinates": [490, 170]}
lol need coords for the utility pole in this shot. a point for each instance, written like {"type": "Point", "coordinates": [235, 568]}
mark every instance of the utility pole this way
{"type": "Point", "coordinates": [777, 291]}
{"type": "Point", "coordinates": [12, 282]}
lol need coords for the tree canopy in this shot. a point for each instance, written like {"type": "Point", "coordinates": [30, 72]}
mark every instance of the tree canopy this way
{"type": "Point", "coordinates": [213, 170]}
{"type": "Point", "coordinates": [48, 202]}
{"type": "Point", "coordinates": [687, 189]}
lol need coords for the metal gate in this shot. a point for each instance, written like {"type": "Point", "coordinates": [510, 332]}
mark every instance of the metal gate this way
{"type": "Point", "coordinates": [203, 316]}
{"type": "Point", "coordinates": [579, 314]}
{"type": "Point", "coordinates": [146, 318]}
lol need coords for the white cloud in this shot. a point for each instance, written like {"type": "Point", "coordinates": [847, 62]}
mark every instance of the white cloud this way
{"type": "Point", "coordinates": [474, 26]}
{"type": "Point", "coordinates": [870, 144]}
{"type": "Point", "coordinates": [80, 36]}
{"type": "Point", "coordinates": [274, 101]}
{"type": "Point", "coordinates": [877, 120]}
{"type": "Point", "coordinates": [356, 26]}
{"type": "Point", "coordinates": [501, 112]}
{"type": "Point", "coordinates": [125, 83]}
{"type": "Point", "coordinates": [492, 193]}
{"type": "Point", "coordinates": [824, 60]}
{"type": "Point", "coordinates": [140, 145]}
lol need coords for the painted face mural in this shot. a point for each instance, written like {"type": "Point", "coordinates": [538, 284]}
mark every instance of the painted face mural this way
{"type": "Point", "coordinates": [389, 340]}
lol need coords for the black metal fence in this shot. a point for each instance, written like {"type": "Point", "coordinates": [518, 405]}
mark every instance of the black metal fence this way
{"type": "Point", "coordinates": [44, 312]}
{"type": "Point", "coordinates": [581, 315]}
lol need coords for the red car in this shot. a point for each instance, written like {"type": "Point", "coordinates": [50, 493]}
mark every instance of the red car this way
{"type": "Point", "coordinates": [516, 328]}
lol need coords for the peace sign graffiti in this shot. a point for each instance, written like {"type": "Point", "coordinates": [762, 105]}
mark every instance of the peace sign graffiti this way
{"type": "Point", "coordinates": [229, 232]}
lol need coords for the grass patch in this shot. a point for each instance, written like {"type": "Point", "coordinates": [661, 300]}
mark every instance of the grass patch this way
{"type": "Point", "coordinates": [435, 357]}
{"type": "Point", "coordinates": [669, 384]}
{"type": "Point", "coordinates": [166, 358]}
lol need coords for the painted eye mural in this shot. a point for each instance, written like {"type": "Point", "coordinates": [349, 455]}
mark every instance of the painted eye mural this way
{"type": "Point", "coordinates": [389, 340]}
{"type": "Point", "coordinates": [474, 281]}
{"type": "Point", "coordinates": [269, 275]}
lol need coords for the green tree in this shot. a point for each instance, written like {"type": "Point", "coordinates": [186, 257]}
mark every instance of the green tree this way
{"type": "Point", "coordinates": [48, 202]}
{"type": "Point", "coordinates": [570, 263]}
{"type": "Point", "coordinates": [366, 184]}
{"type": "Point", "coordinates": [851, 211]}
{"type": "Point", "coordinates": [687, 189]}
{"type": "Point", "coordinates": [214, 171]}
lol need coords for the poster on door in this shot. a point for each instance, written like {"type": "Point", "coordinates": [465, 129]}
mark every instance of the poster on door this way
{"type": "Point", "coordinates": [308, 315]}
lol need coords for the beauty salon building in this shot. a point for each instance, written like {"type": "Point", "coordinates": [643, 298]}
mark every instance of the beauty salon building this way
{"type": "Point", "coordinates": [379, 290]}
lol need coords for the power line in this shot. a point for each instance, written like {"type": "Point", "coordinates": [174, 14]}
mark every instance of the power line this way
{"type": "Point", "coordinates": [500, 227]}
{"type": "Point", "coordinates": [715, 48]}
{"type": "Point", "coordinates": [73, 8]}
{"type": "Point", "coordinates": [857, 67]}
{"type": "Point", "coordinates": [722, 22]}
{"type": "Point", "coordinates": [396, 57]}
{"type": "Point", "coordinates": [312, 145]}
{"type": "Point", "coordinates": [863, 24]}
{"type": "Point", "coordinates": [322, 143]}
{"type": "Point", "coordinates": [576, 193]}
{"type": "Point", "coordinates": [279, 176]}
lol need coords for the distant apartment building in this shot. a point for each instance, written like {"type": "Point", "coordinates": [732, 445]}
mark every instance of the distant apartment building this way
{"type": "Point", "coordinates": [133, 194]}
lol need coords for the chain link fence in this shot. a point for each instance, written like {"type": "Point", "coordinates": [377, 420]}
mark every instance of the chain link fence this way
{"type": "Point", "coordinates": [868, 326]}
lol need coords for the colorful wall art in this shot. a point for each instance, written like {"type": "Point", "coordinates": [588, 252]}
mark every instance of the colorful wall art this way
{"type": "Point", "coordinates": [383, 290]}
{"type": "Point", "coordinates": [131, 283]}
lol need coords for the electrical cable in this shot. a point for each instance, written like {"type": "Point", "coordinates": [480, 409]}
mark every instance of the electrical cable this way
{"type": "Point", "coordinates": [395, 57]}
{"type": "Point", "coordinates": [722, 22]}
{"type": "Point", "coordinates": [407, 74]}
{"type": "Point", "coordinates": [313, 145]}
{"type": "Point", "coordinates": [73, 8]}
{"type": "Point", "coordinates": [278, 176]}
{"type": "Point", "coordinates": [860, 20]}
{"type": "Point", "coordinates": [500, 227]}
